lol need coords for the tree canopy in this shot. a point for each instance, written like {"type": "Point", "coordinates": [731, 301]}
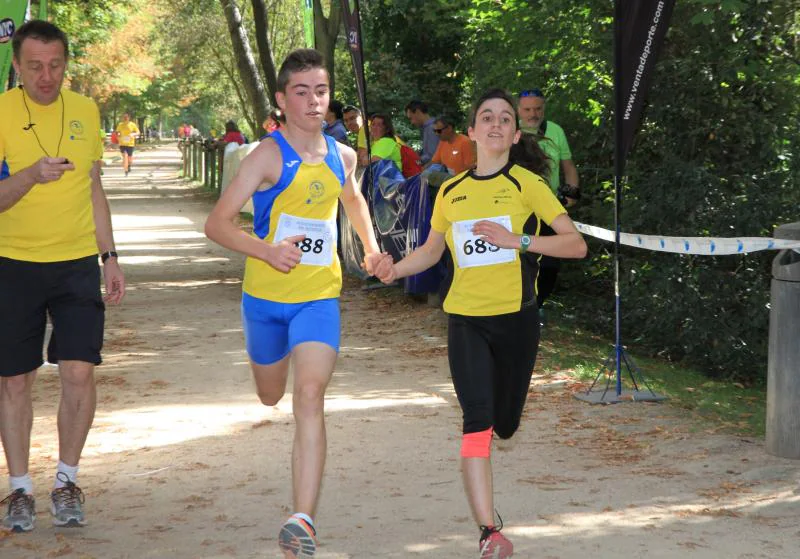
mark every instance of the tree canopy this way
{"type": "Point", "coordinates": [715, 155]}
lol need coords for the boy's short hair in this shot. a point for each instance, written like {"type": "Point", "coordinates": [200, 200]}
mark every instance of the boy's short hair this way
{"type": "Point", "coordinates": [300, 60]}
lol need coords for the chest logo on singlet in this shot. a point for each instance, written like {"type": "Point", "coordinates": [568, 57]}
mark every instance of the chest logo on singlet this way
{"type": "Point", "coordinates": [315, 191]}
{"type": "Point", "coordinates": [292, 163]}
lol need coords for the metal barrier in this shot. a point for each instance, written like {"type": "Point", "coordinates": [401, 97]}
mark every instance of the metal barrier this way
{"type": "Point", "coordinates": [203, 161]}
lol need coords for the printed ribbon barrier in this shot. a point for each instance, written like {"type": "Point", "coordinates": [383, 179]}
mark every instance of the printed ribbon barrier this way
{"type": "Point", "coordinates": [707, 246]}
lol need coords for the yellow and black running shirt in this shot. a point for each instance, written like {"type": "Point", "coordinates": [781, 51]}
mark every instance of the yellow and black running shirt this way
{"type": "Point", "coordinates": [303, 201]}
{"type": "Point", "coordinates": [488, 280]}
{"type": "Point", "coordinates": [126, 131]}
{"type": "Point", "coordinates": [53, 221]}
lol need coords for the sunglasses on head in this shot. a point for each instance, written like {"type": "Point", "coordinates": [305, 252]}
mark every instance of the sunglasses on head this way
{"type": "Point", "coordinates": [439, 130]}
{"type": "Point", "coordinates": [535, 92]}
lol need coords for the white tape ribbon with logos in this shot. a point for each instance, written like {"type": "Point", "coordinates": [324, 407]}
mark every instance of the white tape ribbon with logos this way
{"type": "Point", "coordinates": [708, 246]}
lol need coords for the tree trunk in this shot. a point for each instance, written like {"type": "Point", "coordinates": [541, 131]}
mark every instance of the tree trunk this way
{"type": "Point", "coordinates": [265, 48]}
{"type": "Point", "coordinates": [245, 62]}
{"type": "Point", "coordinates": [225, 65]}
{"type": "Point", "coordinates": [326, 31]}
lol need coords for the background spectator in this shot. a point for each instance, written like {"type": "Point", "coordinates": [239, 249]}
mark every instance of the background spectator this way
{"type": "Point", "coordinates": [232, 134]}
{"type": "Point", "coordinates": [455, 151]}
{"type": "Point", "coordinates": [334, 126]}
{"type": "Point", "coordinates": [417, 114]}
{"type": "Point", "coordinates": [384, 144]}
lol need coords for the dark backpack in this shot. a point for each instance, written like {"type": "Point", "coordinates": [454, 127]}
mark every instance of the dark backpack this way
{"type": "Point", "coordinates": [410, 160]}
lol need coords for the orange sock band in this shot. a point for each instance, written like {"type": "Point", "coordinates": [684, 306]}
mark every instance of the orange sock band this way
{"type": "Point", "coordinates": [477, 445]}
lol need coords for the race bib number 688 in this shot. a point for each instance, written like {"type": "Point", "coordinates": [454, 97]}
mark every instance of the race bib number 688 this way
{"type": "Point", "coordinates": [320, 241]}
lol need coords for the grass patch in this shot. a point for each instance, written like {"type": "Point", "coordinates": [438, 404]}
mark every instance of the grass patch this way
{"type": "Point", "coordinates": [567, 349]}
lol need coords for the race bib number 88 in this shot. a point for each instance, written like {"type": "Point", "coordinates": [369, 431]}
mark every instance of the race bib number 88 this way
{"type": "Point", "coordinates": [320, 241]}
{"type": "Point", "coordinates": [473, 251]}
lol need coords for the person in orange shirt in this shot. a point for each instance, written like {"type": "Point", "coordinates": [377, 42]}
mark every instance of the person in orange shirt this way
{"type": "Point", "coordinates": [455, 151]}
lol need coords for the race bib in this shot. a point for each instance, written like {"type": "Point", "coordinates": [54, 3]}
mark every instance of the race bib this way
{"type": "Point", "coordinates": [473, 251]}
{"type": "Point", "coordinates": [126, 139]}
{"type": "Point", "coordinates": [320, 241]}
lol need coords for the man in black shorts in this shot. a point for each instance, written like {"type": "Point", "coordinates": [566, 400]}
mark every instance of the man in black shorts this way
{"type": "Point", "coordinates": [127, 132]}
{"type": "Point", "coordinates": [54, 219]}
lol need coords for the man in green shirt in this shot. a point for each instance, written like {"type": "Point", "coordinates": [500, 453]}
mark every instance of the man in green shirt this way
{"type": "Point", "coordinates": [554, 143]}
{"type": "Point", "coordinates": [552, 139]}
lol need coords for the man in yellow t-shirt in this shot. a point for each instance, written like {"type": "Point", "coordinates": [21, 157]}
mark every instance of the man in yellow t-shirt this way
{"type": "Point", "coordinates": [54, 218]}
{"type": "Point", "coordinates": [128, 132]}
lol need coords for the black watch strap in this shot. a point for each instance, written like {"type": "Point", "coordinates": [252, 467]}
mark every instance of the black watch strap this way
{"type": "Point", "coordinates": [106, 255]}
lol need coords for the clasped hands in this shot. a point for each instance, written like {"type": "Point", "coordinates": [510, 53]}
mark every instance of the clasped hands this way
{"type": "Point", "coordinates": [286, 254]}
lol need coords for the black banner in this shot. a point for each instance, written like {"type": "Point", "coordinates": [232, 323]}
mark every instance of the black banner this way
{"type": "Point", "coordinates": [352, 27]}
{"type": "Point", "coordinates": [641, 26]}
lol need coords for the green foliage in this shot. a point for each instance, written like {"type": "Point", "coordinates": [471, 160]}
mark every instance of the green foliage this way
{"type": "Point", "coordinates": [715, 156]}
{"type": "Point", "coordinates": [86, 22]}
{"type": "Point", "coordinates": [413, 51]}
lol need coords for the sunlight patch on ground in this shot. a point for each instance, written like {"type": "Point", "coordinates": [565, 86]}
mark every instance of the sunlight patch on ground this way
{"type": "Point", "coordinates": [123, 221]}
{"type": "Point", "coordinates": [209, 259]}
{"type": "Point", "coordinates": [167, 425]}
{"type": "Point", "coordinates": [146, 259]}
{"type": "Point", "coordinates": [188, 283]}
{"type": "Point", "coordinates": [422, 548]}
{"type": "Point", "coordinates": [154, 259]}
{"type": "Point", "coordinates": [158, 426]}
{"type": "Point", "coordinates": [598, 524]}
{"type": "Point", "coordinates": [155, 235]}
{"type": "Point", "coordinates": [349, 349]}
{"type": "Point", "coordinates": [346, 403]}
{"type": "Point", "coordinates": [178, 246]}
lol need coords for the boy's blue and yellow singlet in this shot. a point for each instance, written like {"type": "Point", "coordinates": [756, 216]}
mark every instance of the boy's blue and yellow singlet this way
{"type": "Point", "coordinates": [303, 201]}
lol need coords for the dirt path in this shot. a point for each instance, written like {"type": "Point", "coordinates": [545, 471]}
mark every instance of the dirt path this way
{"type": "Point", "coordinates": [184, 462]}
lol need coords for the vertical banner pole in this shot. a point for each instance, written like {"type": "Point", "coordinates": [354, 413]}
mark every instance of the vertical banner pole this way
{"type": "Point", "coordinates": [352, 26]}
{"type": "Point", "coordinates": [639, 29]}
{"type": "Point", "coordinates": [619, 167]}
{"type": "Point", "coordinates": [308, 23]}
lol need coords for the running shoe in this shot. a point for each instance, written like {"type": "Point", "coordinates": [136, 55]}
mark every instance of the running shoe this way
{"type": "Point", "coordinates": [21, 514]}
{"type": "Point", "coordinates": [297, 539]}
{"type": "Point", "coordinates": [67, 504]}
{"type": "Point", "coordinates": [494, 545]}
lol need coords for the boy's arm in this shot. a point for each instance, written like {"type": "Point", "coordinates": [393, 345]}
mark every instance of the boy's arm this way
{"type": "Point", "coordinates": [357, 210]}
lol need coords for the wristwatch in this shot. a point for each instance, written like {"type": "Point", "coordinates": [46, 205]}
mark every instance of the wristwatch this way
{"type": "Point", "coordinates": [524, 243]}
{"type": "Point", "coordinates": [106, 255]}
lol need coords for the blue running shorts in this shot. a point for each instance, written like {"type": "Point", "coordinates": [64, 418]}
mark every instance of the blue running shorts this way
{"type": "Point", "coordinates": [272, 330]}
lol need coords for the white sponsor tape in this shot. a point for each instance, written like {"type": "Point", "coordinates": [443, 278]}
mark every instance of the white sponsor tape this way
{"type": "Point", "coordinates": [709, 246]}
